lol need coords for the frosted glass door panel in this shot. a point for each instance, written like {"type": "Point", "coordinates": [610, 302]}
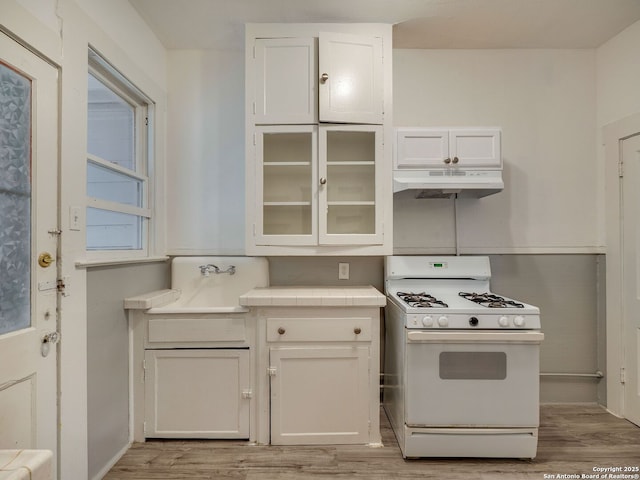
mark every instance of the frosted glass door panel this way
{"type": "Point", "coordinates": [15, 201]}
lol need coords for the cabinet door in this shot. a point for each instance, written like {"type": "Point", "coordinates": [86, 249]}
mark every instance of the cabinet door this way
{"type": "Point", "coordinates": [475, 148]}
{"type": "Point", "coordinates": [197, 393]}
{"type": "Point", "coordinates": [285, 76]}
{"type": "Point", "coordinates": [351, 78]}
{"type": "Point", "coordinates": [350, 159]}
{"type": "Point", "coordinates": [418, 148]}
{"type": "Point", "coordinates": [319, 395]}
{"type": "Point", "coordinates": [286, 179]}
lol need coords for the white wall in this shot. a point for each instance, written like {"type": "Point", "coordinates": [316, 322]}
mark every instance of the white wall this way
{"type": "Point", "coordinates": [545, 102]}
{"type": "Point", "coordinates": [619, 76]}
{"type": "Point", "coordinates": [205, 160]}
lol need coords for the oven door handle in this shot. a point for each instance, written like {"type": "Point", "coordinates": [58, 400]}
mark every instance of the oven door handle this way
{"type": "Point", "coordinates": [422, 336]}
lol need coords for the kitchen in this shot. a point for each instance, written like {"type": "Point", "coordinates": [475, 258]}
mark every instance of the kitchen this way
{"type": "Point", "coordinates": [545, 232]}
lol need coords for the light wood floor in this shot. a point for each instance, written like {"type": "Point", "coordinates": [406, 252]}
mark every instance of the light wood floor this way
{"type": "Point", "coordinates": [573, 439]}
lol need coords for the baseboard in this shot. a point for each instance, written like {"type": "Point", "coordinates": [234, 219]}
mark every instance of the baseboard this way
{"type": "Point", "coordinates": [103, 472]}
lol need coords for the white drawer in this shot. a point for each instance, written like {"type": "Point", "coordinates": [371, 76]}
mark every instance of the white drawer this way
{"type": "Point", "coordinates": [348, 329]}
{"type": "Point", "coordinates": [197, 330]}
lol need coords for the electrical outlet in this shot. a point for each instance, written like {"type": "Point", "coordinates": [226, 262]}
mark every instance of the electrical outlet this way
{"type": "Point", "coordinates": [343, 271]}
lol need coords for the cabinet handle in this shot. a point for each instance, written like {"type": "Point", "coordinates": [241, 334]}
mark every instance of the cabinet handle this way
{"type": "Point", "coordinates": [281, 331]}
{"type": "Point", "coordinates": [324, 77]}
{"type": "Point", "coordinates": [447, 161]}
{"type": "Point", "coordinates": [323, 181]}
{"type": "Point", "coordinates": [357, 330]}
{"type": "Point", "coordinates": [455, 160]}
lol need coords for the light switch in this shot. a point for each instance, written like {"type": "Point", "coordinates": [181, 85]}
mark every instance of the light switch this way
{"type": "Point", "coordinates": [74, 218]}
{"type": "Point", "coordinates": [343, 271]}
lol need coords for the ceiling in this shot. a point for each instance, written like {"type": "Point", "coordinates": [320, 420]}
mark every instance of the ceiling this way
{"type": "Point", "coordinates": [219, 24]}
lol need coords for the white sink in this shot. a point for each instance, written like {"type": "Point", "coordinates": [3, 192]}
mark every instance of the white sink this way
{"type": "Point", "coordinates": [25, 464]}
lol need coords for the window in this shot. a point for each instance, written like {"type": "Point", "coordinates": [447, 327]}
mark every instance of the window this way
{"type": "Point", "coordinates": [119, 196]}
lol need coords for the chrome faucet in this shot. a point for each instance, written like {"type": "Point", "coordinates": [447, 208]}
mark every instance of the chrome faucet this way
{"type": "Point", "coordinates": [206, 270]}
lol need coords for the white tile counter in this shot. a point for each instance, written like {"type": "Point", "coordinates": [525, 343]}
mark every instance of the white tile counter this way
{"type": "Point", "coordinates": [360, 296]}
{"type": "Point", "coordinates": [25, 464]}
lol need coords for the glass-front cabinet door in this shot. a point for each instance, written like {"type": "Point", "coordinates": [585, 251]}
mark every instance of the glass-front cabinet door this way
{"type": "Point", "coordinates": [349, 185]}
{"type": "Point", "coordinates": [286, 174]}
{"type": "Point", "coordinates": [318, 185]}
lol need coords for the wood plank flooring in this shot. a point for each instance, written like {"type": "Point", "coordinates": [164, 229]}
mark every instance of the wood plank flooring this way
{"type": "Point", "coordinates": [573, 440]}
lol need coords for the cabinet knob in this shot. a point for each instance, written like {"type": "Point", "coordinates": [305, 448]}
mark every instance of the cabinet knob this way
{"type": "Point", "coordinates": [447, 161]}
{"type": "Point", "coordinates": [357, 330]}
{"type": "Point", "coordinates": [455, 160]}
{"type": "Point", "coordinates": [281, 331]}
{"type": "Point", "coordinates": [324, 77]}
{"type": "Point", "coordinates": [323, 181]}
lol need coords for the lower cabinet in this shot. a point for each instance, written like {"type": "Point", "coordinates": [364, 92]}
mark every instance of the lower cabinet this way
{"type": "Point", "coordinates": [197, 393]}
{"type": "Point", "coordinates": [321, 375]}
{"type": "Point", "coordinates": [319, 395]}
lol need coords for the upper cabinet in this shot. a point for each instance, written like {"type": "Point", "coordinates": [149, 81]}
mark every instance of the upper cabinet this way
{"type": "Point", "coordinates": [332, 78]}
{"type": "Point", "coordinates": [319, 139]}
{"type": "Point", "coordinates": [444, 148]}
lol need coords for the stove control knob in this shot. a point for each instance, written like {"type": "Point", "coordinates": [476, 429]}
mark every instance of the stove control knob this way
{"type": "Point", "coordinates": [519, 321]}
{"type": "Point", "coordinates": [427, 321]}
{"type": "Point", "coordinates": [503, 321]}
{"type": "Point", "coordinates": [443, 321]}
{"type": "Point", "coordinates": [473, 321]}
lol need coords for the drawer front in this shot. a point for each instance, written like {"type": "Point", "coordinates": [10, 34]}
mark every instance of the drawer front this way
{"type": "Point", "coordinates": [348, 329]}
{"type": "Point", "coordinates": [198, 330]}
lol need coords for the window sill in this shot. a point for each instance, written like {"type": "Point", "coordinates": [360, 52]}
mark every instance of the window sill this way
{"type": "Point", "coordinates": [121, 261]}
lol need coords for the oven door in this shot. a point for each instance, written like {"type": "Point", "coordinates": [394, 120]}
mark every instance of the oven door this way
{"type": "Point", "coordinates": [471, 378]}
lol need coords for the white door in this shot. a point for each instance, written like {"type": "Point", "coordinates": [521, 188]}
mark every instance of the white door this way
{"type": "Point", "coordinates": [631, 275]}
{"type": "Point", "coordinates": [28, 210]}
{"type": "Point", "coordinates": [351, 78]}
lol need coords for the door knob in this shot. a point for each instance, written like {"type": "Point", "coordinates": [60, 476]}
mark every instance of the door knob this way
{"type": "Point", "coordinates": [357, 330]}
{"type": "Point", "coordinates": [323, 181]}
{"type": "Point", "coordinates": [281, 331]}
{"type": "Point", "coordinates": [45, 259]}
{"type": "Point", "coordinates": [324, 77]}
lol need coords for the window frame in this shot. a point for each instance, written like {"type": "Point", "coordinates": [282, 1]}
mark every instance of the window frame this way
{"type": "Point", "coordinates": [144, 159]}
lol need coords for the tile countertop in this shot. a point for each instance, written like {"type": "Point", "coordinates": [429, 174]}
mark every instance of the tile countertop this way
{"type": "Point", "coordinates": [365, 296]}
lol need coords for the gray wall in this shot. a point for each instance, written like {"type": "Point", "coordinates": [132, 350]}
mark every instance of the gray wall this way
{"type": "Point", "coordinates": [108, 354]}
{"type": "Point", "coordinates": [568, 289]}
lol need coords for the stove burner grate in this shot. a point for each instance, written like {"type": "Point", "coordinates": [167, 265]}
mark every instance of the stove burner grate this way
{"type": "Point", "coordinates": [490, 300]}
{"type": "Point", "coordinates": [421, 300]}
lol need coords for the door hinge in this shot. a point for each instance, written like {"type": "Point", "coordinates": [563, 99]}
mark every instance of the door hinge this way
{"type": "Point", "coordinates": [61, 286]}
{"type": "Point", "coordinates": [146, 121]}
{"type": "Point", "coordinates": [254, 112]}
{"type": "Point", "coordinates": [623, 378]}
{"type": "Point", "coordinates": [144, 428]}
{"type": "Point", "coordinates": [620, 168]}
{"type": "Point", "coordinates": [271, 371]}
{"type": "Point", "coordinates": [144, 371]}
{"type": "Point", "coordinates": [247, 393]}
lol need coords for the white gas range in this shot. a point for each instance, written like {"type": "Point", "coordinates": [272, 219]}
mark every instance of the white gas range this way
{"type": "Point", "coordinates": [461, 363]}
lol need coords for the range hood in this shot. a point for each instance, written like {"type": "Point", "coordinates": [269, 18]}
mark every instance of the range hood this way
{"type": "Point", "coordinates": [443, 162]}
{"type": "Point", "coordinates": [446, 183]}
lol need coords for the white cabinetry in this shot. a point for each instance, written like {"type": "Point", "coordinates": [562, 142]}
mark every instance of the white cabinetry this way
{"type": "Point", "coordinates": [314, 187]}
{"type": "Point", "coordinates": [321, 362]}
{"type": "Point", "coordinates": [448, 148]}
{"type": "Point", "coordinates": [318, 185]}
{"type": "Point", "coordinates": [197, 393]}
{"type": "Point", "coordinates": [192, 374]}
{"type": "Point", "coordinates": [343, 77]}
